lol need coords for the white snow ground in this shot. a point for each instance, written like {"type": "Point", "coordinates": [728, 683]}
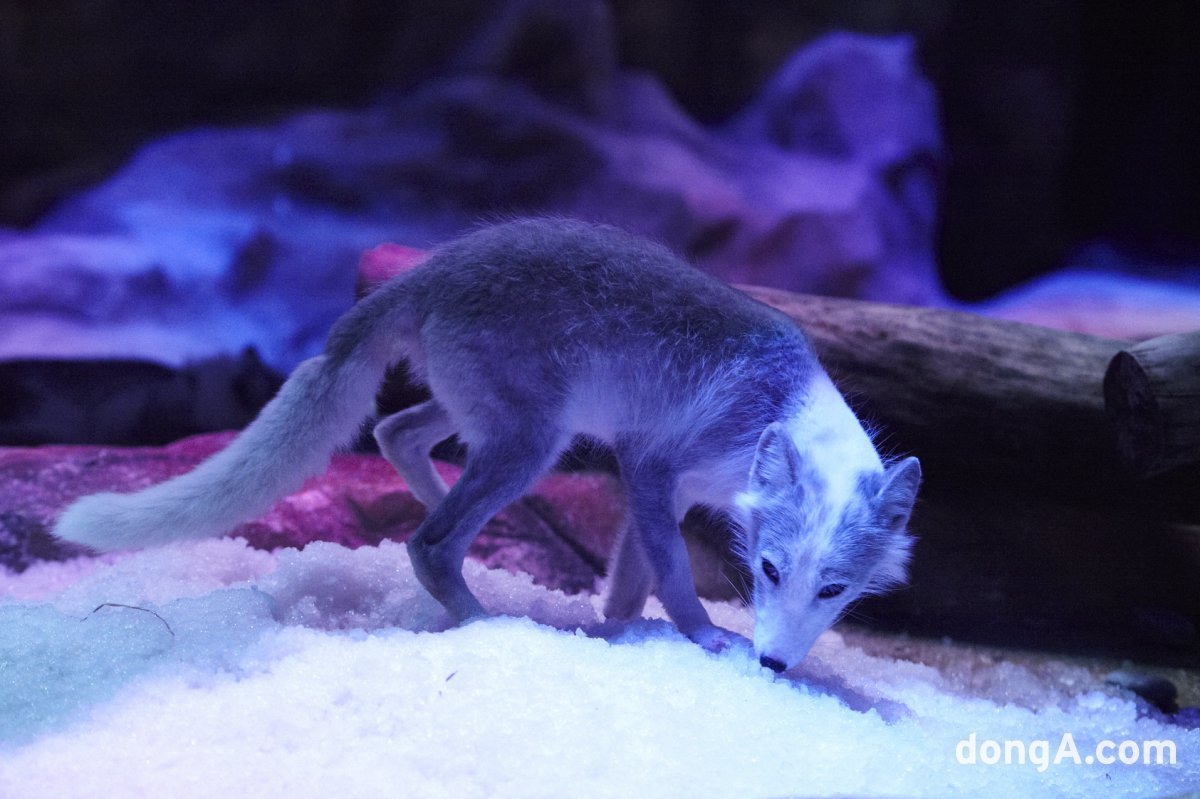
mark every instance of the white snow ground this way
{"type": "Point", "coordinates": [320, 674]}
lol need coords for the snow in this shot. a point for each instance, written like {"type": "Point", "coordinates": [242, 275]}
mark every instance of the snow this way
{"type": "Point", "coordinates": [211, 669]}
{"type": "Point", "coordinates": [1102, 303]}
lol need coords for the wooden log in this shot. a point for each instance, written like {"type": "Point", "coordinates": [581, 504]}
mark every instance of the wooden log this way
{"type": "Point", "coordinates": [983, 396]}
{"type": "Point", "coordinates": [1152, 396]}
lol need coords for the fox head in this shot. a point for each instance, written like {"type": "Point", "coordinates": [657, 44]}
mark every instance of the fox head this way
{"type": "Point", "coordinates": [818, 536]}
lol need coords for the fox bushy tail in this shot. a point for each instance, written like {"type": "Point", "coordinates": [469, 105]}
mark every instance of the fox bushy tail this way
{"type": "Point", "coordinates": [319, 408]}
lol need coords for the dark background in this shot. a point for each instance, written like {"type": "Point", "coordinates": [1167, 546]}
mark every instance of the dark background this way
{"type": "Point", "coordinates": [1065, 122]}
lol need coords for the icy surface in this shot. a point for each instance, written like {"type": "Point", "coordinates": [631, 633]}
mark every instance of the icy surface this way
{"type": "Point", "coordinates": [327, 672]}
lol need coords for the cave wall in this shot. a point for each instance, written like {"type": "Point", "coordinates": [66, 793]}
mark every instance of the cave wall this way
{"type": "Point", "coordinates": [1065, 122]}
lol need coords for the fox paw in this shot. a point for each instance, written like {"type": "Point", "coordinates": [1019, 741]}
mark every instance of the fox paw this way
{"type": "Point", "coordinates": [716, 639]}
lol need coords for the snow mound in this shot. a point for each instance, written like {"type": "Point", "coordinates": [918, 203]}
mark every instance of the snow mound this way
{"type": "Point", "coordinates": [211, 669]}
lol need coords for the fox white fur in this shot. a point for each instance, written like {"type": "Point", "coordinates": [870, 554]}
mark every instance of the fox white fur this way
{"type": "Point", "coordinates": [531, 333]}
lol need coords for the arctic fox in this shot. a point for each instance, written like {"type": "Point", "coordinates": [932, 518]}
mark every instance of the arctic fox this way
{"type": "Point", "coordinates": [533, 332]}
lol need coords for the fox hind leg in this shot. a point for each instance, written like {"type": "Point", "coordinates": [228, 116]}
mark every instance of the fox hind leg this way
{"type": "Point", "coordinates": [406, 438]}
{"type": "Point", "coordinates": [650, 487]}
{"type": "Point", "coordinates": [630, 580]}
{"type": "Point", "coordinates": [500, 468]}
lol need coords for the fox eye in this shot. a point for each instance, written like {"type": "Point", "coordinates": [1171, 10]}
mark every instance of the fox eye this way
{"type": "Point", "coordinates": [769, 569]}
{"type": "Point", "coordinates": [830, 591]}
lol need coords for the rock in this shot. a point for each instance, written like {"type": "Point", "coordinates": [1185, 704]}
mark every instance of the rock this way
{"type": "Point", "coordinates": [128, 402]}
{"type": "Point", "coordinates": [1188, 718]}
{"type": "Point", "coordinates": [560, 533]}
{"type": "Point", "coordinates": [862, 101]}
{"type": "Point", "coordinates": [1158, 691]}
{"type": "Point", "coordinates": [383, 262]}
{"type": "Point", "coordinates": [1107, 303]}
{"type": "Point", "coordinates": [211, 240]}
{"type": "Point", "coordinates": [214, 239]}
{"type": "Point", "coordinates": [844, 96]}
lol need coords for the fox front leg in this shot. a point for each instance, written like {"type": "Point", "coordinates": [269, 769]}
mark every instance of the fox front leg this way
{"type": "Point", "coordinates": [651, 489]}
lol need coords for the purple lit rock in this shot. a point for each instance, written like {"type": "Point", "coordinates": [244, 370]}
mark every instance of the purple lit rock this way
{"type": "Point", "coordinates": [560, 534]}
{"type": "Point", "coordinates": [1105, 302]}
{"type": "Point", "coordinates": [211, 240]}
{"type": "Point", "coordinates": [847, 96]}
{"type": "Point", "coordinates": [859, 104]}
{"type": "Point", "coordinates": [214, 239]}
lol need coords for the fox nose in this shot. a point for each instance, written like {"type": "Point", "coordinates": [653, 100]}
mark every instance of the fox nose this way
{"type": "Point", "coordinates": [771, 663]}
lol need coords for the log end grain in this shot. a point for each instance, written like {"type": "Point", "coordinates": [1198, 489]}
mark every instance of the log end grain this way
{"type": "Point", "coordinates": [1135, 415]}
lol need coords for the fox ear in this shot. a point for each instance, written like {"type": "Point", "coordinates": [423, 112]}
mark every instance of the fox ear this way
{"type": "Point", "coordinates": [776, 460]}
{"type": "Point", "coordinates": [899, 493]}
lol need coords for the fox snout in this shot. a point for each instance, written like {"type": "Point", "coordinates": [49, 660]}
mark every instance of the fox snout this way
{"type": "Point", "coordinates": [781, 642]}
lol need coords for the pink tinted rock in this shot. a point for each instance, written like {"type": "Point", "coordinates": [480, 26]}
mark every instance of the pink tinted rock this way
{"type": "Point", "coordinates": [587, 508]}
{"type": "Point", "coordinates": [385, 261]}
{"type": "Point", "coordinates": [559, 535]}
{"type": "Point", "coordinates": [36, 483]}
